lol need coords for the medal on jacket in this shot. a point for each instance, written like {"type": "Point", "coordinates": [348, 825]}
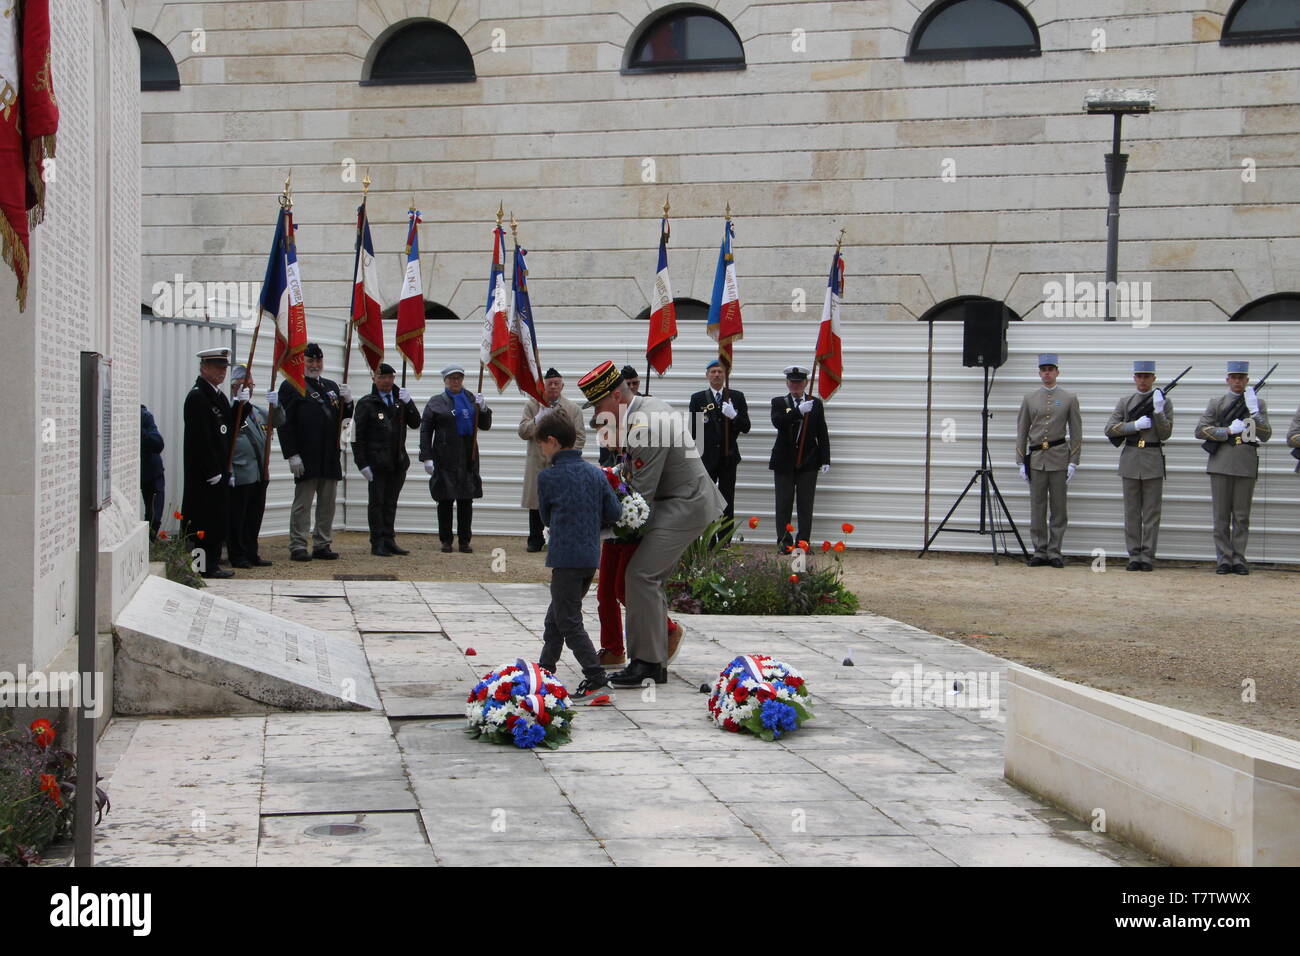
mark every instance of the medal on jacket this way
{"type": "Point", "coordinates": [381, 416]}
{"type": "Point", "coordinates": [223, 429]}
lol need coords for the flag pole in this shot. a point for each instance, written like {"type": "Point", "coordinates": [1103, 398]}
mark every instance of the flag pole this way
{"type": "Point", "coordinates": [286, 203]}
{"type": "Point", "coordinates": [537, 359]}
{"type": "Point", "coordinates": [664, 234]}
{"type": "Point", "coordinates": [356, 260]}
{"type": "Point", "coordinates": [501, 215]}
{"type": "Point", "coordinates": [726, 366]}
{"type": "Point", "coordinates": [812, 382]}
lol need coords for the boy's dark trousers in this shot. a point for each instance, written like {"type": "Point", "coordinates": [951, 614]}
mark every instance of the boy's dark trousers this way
{"type": "Point", "coordinates": [564, 621]}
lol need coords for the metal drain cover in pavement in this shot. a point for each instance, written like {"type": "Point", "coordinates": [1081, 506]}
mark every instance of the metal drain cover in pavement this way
{"type": "Point", "coordinates": [337, 830]}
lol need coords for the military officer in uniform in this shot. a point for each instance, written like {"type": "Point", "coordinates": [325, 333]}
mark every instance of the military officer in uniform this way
{"type": "Point", "coordinates": [534, 411]}
{"type": "Point", "coordinates": [1238, 422]}
{"type": "Point", "coordinates": [683, 502]}
{"type": "Point", "coordinates": [712, 408]}
{"type": "Point", "coordinates": [606, 452]}
{"type": "Point", "coordinates": [1046, 461]}
{"type": "Point", "coordinates": [310, 442]}
{"type": "Point", "coordinates": [1142, 462]}
{"type": "Point", "coordinates": [209, 425]}
{"type": "Point", "coordinates": [248, 494]}
{"type": "Point", "coordinates": [379, 449]}
{"type": "Point", "coordinates": [795, 477]}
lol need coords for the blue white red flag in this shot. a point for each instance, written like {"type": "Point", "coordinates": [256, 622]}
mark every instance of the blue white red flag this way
{"type": "Point", "coordinates": [663, 313]}
{"type": "Point", "coordinates": [410, 307]}
{"type": "Point", "coordinates": [495, 346]}
{"type": "Point", "coordinates": [724, 310]}
{"type": "Point", "coordinates": [366, 312]}
{"type": "Point", "coordinates": [830, 354]}
{"type": "Point", "coordinates": [281, 299]}
{"type": "Point", "coordinates": [522, 360]}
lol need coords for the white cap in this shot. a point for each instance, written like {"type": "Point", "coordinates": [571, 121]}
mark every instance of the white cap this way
{"type": "Point", "coordinates": [212, 355]}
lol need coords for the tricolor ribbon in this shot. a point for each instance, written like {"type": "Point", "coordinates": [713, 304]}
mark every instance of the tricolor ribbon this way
{"type": "Point", "coordinates": [755, 669]}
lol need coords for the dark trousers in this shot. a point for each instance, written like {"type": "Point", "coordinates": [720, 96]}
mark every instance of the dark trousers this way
{"type": "Point", "coordinates": [792, 489]}
{"type": "Point", "coordinates": [247, 505]}
{"type": "Point", "coordinates": [724, 476]}
{"type": "Point", "coordinates": [381, 507]}
{"type": "Point", "coordinates": [535, 538]}
{"type": "Point", "coordinates": [564, 621]}
{"type": "Point", "coordinates": [206, 508]}
{"type": "Point", "coordinates": [464, 515]}
{"type": "Point", "coordinates": [153, 491]}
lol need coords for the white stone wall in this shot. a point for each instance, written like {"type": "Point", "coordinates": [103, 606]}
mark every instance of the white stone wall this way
{"type": "Point", "coordinates": [800, 143]}
{"type": "Point", "coordinates": [86, 268]}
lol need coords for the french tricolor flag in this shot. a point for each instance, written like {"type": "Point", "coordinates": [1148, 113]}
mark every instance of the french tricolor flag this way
{"type": "Point", "coordinates": [663, 313]}
{"type": "Point", "coordinates": [366, 312]}
{"type": "Point", "coordinates": [410, 307]}
{"type": "Point", "coordinates": [281, 300]}
{"type": "Point", "coordinates": [830, 355]}
{"type": "Point", "coordinates": [495, 345]}
{"type": "Point", "coordinates": [724, 309]}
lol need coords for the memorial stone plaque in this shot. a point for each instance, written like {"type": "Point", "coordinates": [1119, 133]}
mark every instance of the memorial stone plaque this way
{"type": "Point", "coordinates": [183, 651]}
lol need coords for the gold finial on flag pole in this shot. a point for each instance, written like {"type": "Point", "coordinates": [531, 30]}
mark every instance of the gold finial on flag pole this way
{"type": "Point", "coordinates": [728, 212]}
{"type": "Point", "coordinates": [668, 231]}
{"type": "Point", "coordinates": [514, 228]}
{"type": "Point", "coordinates": [665, 207]}
{"type": "Point", "coordinates": [365, 183]}
{"type": "Point", "coordinates": [839, 243]}
{"type": "Point", "coordinates": [286, 196]}
{"type": "Point", "coordinates": [501, 214]}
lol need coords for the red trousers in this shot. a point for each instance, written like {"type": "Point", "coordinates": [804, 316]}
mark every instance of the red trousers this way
{"type": "Point", "coordinates": [610, 596]}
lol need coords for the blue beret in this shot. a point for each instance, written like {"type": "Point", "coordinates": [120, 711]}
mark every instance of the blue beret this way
{"type": "Point", "coordinates": [711, 364]}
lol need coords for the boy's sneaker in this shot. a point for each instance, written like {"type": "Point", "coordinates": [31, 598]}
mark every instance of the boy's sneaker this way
{"type": "Point", "coordinates": [590, 685]}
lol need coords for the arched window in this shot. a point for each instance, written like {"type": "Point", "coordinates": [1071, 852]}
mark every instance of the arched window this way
{"type": "Point", "coordinates": [688, 310]}
{"type": "Point", "coordinates": [1262, 21]}
{"type": "Point", "coordinates": [433, 312]}
{"type": "Point", "coordinates": [973, 29]}
{"type": "Point", "coordinates": [418, 51]}
{"type": "Point", "coordinates": [157, 68]}
{"type": "Point", "coordinates": [683, 39]}
{"type": "Point", "coordinates": [954, 310]}
{"type": "Point", "coordinates": [1278, 307]}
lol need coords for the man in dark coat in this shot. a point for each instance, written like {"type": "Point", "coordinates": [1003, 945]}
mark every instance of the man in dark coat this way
{"type": "Point", "coordinates": [248, 491]}
{"type": "Point", "coordinates": [209, 420]}
{"type": "Point", "coordinates": [152, 480]}
{"type": "Point", "coordinates": [449, 450]}
{"type": "Point", "coordinates": [798, 482]}
{"type": "Point", "coordinates": [379, 449]}
{"type": "Point", "coordinates": [719, 409]}
{"type": "Point", "coordinates": [310, 441]}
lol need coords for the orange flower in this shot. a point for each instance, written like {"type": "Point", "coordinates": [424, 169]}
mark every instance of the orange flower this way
{"type": "Point", "coordinates": [42, 732]}
{"type": "Point", "coordinates": [789, 527]}
{"type": "Point", "coordinates": [177, 515]}
{"type": "Point", "coordinates": [753, 523]}
{"type": "Point", "coordinates": [846, 528]}
{"type": "Point", "coordinates": [50, 784]}
{"type": "Point", "coordinates": [826, 546]}
{"type": "Point", "coordinates": [839, 545]}
{"type": "Point", "coordinates": [794, 579]}
{"type": "Point", "coordinates": [162, 535]}
{"type": "Point", "coordinates": [804, 545]}
{"type": "Point", "coordinates": [199, 534]}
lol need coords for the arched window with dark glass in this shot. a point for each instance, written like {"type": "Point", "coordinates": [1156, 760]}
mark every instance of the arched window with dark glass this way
{"type": "Point", "coordinates": [688, 310]}
{"type": "Point", "coordinates": [1262, 21]}
{"type": "Point", "coordinates": [954, 309]}
{"type": "Point", "coordinates": [683, 39]}
{"type": "Point", "coordinates": [433, 312]}
{"type": "Point", "coordinates": [973, 29]}
{"type": "Point", "coordinates": [157, 68]}
{"type": "Point", "coordinates": [418, 51]}
{"type": "Point", "coordinates": [1278, 307]}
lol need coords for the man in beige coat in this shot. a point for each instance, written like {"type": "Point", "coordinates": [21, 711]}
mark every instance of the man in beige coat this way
{"type": "Point", "coordinates": [1142, 462]}
{"type": "Point", "coordinates": [1045, 460]}
{"type": "Point", "coordinates": [1237, 421]}
{"type": "Point", "coordinates": [664, 466]}
{"type": "Point", "coordinates": [1293, 439]}
{"type": "Point", "coordinates": [553, 385]}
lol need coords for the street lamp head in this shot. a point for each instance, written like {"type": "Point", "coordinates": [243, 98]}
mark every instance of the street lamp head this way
{"type": "Point", "coordinates": [1114, 100]}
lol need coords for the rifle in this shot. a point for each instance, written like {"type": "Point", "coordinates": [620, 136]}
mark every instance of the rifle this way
{"type": "Point", "coordinates": [1234, 412]}
{"type": "Point", "coordinates": [1149, 406]}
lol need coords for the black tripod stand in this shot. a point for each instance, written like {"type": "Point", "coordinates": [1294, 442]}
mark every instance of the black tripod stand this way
{"type": "Point", "coordinates": [991, 515]}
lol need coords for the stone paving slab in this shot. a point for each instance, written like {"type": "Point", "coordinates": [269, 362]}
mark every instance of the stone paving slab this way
{"type": "Point", "coordinates": [646, 781]}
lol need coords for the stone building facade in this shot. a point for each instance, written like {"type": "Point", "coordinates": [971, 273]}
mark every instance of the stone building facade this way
{"type": "Point", "coordinates": [951, 177]}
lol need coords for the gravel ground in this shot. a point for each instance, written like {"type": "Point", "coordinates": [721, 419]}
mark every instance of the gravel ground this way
{"type": "Point", "coordinates": [1181, 636]}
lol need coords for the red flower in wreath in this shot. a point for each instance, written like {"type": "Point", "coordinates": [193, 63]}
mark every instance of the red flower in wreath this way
{"type": "Point", "coordinates": [741, 694]}
{"type": "Point", "coordinates": [543, 718]}
{"type": "Point", "coordinates": [795, 682]}
{"type": "Point", "coordinates": [511, 720]}
{"type": "Point", "coordinates": [482, 694]}
{"type": "Point", "coordinates": [731, 725]}
{"type": "Point", "coordinates": [502, 692]}
{"type": "Point", "coordinates": [559, 692]}
{"type": "Point", "coordinates": [42, 732]}
{"type": "Point", "coordinates": [50, 784]}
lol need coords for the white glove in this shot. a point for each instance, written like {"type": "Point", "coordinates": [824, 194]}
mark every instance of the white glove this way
{"type": "Point", "coordinates": [214, 480]}
{"type": "Point", "coordinates": [825, 468]}
{"type": "Point", "coordinates": [1023, 474]}
{"type": "Point", "coordinates": [1158, 400]}
{"type": "Point", "coordinates": [540, 415]}
{"type": "Point", "coordinates": [1237, 427]}
{"type": "Point", "coordinates": [296, 467]}
{"type": "Point", "coordinates": [370, 475]}
{"type": "Point", "coordinates": [1070, 472]}
{"type": "Point", "coordinates": [428, 466]}
{"type": "Point", "coordinates": [729, 410]}
{"type": "Point", "coordinates": [243, 394]}
{"type": "Point", "coordinates": [345, 393]}
{"type": "Point", "coordinates": [232, 481]}
{"type": "Point", "coordinates": [403, 396]}
{"type": "Point", "coordinates": [805, 406]}
{"type": "Point", "coordinates": [1252, 400]}
{"type": "Point", "coordinates": [272, 397]}
{"type": "Point", "coordinates": [1142, 423]}
{"type": "Point", "coordinates": [481, 400]}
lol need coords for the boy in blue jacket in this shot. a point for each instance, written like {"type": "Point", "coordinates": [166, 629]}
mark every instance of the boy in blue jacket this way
{"type": "Point", "coordinates": [576, 501]}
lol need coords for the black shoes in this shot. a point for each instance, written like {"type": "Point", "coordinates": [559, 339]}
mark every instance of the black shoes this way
{"type": "Point", "coordinates": [241, 564]}
{"type": "Point", "coordinates": [259, 562]}
{"type": "Point", "coordinates": [1240, 569]}
{"type": "Point", "coordinates": [1057, 562]}
{"type": "Point", "coordinates": [533, 548]}
{"type": "Point", "coordinates": [446, 547]}
{"type": "Point", "coordinates": [299, 555]}
{"type": "Point", "coordinates": [466, 549]}
{"type": "Point", "coordinates": [1147, 567]}
{"type": "Point", "coordinates": [1223, 569]}
{"type": "Point", "coordinates": [592, 684]}
{"type": "Point", "coordinates": [1134, 566]}
{"type": "Point", "coordinates": [637, 672]}
{"type": "Point", "coordinates": [1037, 562]}
{"type": "Point", "coordinates": [218, 573]}
{"type": "Point", "coordinates": [394, 549]}
{"type": "Point", "coordinates": [381, 550]}
{"type": "Point", "coordinates": [325, 554]}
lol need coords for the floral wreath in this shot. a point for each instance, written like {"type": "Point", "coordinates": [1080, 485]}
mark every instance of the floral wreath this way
{"type": "Point", "coordinates": [519, 704]}
{"type": "Point", "coordinates": [766, 697]}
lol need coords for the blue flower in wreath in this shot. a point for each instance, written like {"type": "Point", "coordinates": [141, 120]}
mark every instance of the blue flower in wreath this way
{"type": "Point", "coordinates": [778, 717]}
{"type": "Point", "coordinates": [528, 734]}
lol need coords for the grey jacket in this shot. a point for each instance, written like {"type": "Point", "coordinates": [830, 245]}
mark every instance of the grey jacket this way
{"type": "Point", "coordinates": [1135, 461]}
{"type": "Point", "coordinates": [665, 467]}
{"type": "Point", "coordinates": [1234, 456]}
{"type": "Point", "coordinates": [250, 447]}
{"type": "Point", "coordinates": [1044, 417]}
{"type": "Point", "coordinates": [1293, 436]}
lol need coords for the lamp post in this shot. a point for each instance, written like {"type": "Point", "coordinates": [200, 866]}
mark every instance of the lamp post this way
{"type": "Point", "coordinates": [1117, 103]}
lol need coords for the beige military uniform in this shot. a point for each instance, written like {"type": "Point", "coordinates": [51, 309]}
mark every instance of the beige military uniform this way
{"type": "Point", "coordinates": [1041, 425]}
{"type": "Point", "coordinates": [1293, 437]}
{"type": "Point", "coordinates": [534, 462]}
{"type": "Point", "coordinates": [1142, 470]}
{"type": "Point", "coordinates": [665, 468]}
{"type": "Point", "coordinates": [1233, 468]}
